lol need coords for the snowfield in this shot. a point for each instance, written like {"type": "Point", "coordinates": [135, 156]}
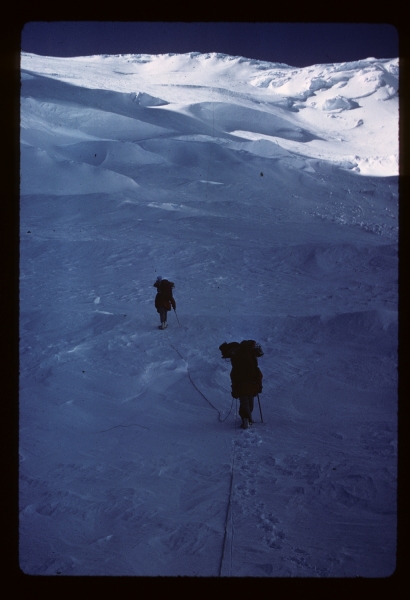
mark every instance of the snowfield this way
{"type": "Point", "coordinates": [269, 195]}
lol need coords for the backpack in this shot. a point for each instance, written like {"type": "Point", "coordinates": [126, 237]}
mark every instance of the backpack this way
{"type": "Point", "coordinates": [165, 288]}
{"type": "Point", "coordinates": [246, 377]}
{"type": "Point", "coordinates": [229, 350]}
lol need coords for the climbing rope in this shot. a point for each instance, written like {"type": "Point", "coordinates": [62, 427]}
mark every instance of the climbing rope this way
{"type": "Point", "coordinates": [229, 511]}
{"type": "Point", "coordinates": [193, 383]}
{"type": "Point", "coordinates": [229, 518]}
{"type": "Point", "coordinates": [115, 426]}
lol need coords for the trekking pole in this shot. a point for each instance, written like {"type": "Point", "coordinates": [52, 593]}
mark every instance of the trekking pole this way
{"type": "Point", "coordinates": [177, 317]}
{"type": "Point", "coordinates": [260, 410]}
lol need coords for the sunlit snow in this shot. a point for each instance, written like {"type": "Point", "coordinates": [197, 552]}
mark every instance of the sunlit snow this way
{"type": "Point", "coordinates": [268, 194]}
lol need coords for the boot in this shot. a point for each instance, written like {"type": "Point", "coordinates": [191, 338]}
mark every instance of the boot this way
{"type": "Point", "coordinates": [245, 424]}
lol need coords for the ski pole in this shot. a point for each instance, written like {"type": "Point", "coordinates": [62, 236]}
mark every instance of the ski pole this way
{"type": "Point", "coordinates": [260, 410]}
{"type": "Point", "coordinates": [177, 317]}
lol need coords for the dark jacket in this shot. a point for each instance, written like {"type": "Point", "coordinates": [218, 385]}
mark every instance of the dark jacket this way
{"type": "Point", "coordinates": [246, 377]}
{"type": "Point", "coordinates": [164, 298]}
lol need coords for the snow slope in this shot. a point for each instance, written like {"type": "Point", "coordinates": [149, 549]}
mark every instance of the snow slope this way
{"type": "Point", "coordinates": [268, 194]}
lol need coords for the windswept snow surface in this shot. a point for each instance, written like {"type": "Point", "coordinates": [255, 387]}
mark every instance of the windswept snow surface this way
{"type": "Point", "coordinates": [268, 194]}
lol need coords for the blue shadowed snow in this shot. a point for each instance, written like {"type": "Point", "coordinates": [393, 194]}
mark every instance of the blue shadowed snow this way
{"type": "Point", "coordinates": [253, 189]}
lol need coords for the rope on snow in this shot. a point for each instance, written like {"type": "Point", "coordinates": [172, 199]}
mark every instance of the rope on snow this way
{"type": "Point", "coordinates": [229, 512]}
{"type": "Point", "coordinates": [229, 517]}
{"type": "Point", "coordinates": [114, 426]}
{"type": "Point", "coordinates": [197, 389]}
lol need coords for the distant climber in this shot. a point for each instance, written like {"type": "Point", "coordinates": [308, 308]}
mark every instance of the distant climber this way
{"type": "Point", "coordinates": [246, 377]}
{"type": "Point", "coordinates": [164, 299]}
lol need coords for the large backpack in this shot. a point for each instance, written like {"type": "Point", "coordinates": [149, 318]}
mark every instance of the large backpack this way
{"type": "Point", "coordinates": [229, 350]}
{"type": "Point", "coordinates": [246, 377]}
{"type": "Point", "coordinates": [165, 288]}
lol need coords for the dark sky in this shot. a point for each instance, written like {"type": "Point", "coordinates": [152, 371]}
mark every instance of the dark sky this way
{"type": "Point", "coordinates": [295, 44]}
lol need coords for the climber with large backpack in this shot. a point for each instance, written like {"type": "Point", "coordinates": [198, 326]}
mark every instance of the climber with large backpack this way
{"type": "Point", "coordinates": [246, 377]}
{"type": "Point", "coordinates": [164, 299]}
